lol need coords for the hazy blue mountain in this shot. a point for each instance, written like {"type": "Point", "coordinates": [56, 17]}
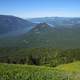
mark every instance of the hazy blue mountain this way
{"type": "Point", "coordinates": [43, 35]}
{"type": "Point", "coordinates": [58, 21]}
{"type": "Point", "coordinates": [10, 25]}
{"type": "Point", "coordinates": [40, 34]}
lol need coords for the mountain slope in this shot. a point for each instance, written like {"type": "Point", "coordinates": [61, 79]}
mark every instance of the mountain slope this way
{"type": "Point", "coordinates": [43, 35]}
{"type": "Point", "coordinates": [11, 24]}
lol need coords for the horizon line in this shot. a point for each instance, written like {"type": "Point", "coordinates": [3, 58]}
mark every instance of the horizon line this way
{"type": "Point", "coordinates": [40, 16]}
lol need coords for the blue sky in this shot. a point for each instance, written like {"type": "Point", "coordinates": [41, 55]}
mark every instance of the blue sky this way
{"type": "Point", "coordinates": [40, 8]}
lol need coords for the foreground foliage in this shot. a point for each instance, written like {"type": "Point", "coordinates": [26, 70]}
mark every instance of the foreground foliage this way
{"type": "Point", "coordinates": [28, 72]}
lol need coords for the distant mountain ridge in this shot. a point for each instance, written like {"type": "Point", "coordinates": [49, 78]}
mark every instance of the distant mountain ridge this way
{"type": "Point", "coordinates": [68, 22]}
{"type": "Point", "coordinates": [12, 24]}
{"type": "Point", "coordinates": [43, 35]}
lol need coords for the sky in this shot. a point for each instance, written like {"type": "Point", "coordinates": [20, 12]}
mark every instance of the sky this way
{"type": "Point", "coordinates": [40, 8]}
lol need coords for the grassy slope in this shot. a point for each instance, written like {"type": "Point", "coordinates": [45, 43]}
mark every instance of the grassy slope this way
{"type": "Point", "coordinates": [72, 67]}
{"type": "Point", "coordinates": [28, 72]}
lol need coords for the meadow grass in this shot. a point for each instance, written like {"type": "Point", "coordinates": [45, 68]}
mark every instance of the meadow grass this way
{"type": "Point", "coordinates": [72, 67]}
{"type": "Point", "coordinates": [32, 72]}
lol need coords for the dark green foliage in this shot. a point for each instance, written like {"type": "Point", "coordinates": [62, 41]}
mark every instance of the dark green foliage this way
{"type": "Point", "coordinates": [70, 55]}
{"type": "Point", "coordinates": [39, 56]}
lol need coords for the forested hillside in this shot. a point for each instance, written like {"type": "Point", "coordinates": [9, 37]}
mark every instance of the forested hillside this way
{"type": "Point", "coordinates": [39, 56]}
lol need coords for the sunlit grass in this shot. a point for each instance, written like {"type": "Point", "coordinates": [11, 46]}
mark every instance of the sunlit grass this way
{"type": "Point", "coordinates": [72, 67]}
{"type": "Point", "coordinates": [32, 72]}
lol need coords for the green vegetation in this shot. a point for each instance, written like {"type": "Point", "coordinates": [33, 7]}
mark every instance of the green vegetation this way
{"type": "Point", "coordinates": [44, 36]}
{"type": "Point", "coordinates": [39, 52]}
{"type": "Point", "coordinates": [39, 64]}
{"type": "Point", "coordinates": [72, 67]}
{"type": "Point", "coordinates": [39, 56]}
{"type": "Point", "coordinates": [29, 72]}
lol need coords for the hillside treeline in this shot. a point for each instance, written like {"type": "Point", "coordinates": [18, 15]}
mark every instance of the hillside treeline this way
{"type": "Point", "coordinates": [39, 56]}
